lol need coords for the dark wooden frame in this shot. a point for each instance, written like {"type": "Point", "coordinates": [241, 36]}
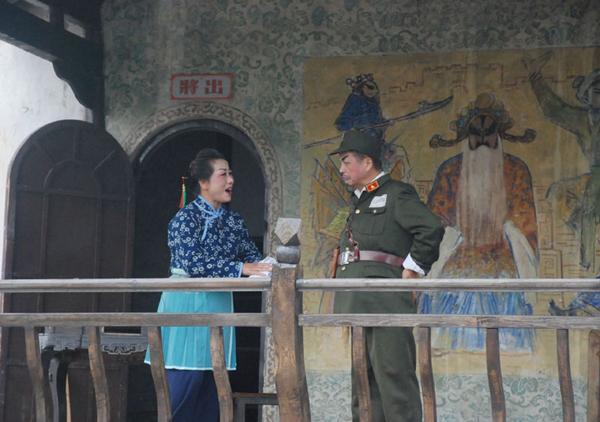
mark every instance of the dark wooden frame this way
{"type": "Point", "coordinates": [10, 219]}
{"type": "Point", "coordinates": [76, 60]}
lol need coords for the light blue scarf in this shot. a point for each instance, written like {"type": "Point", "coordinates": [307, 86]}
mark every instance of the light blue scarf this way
{"type": "Point", "coordinates": [209, 210]}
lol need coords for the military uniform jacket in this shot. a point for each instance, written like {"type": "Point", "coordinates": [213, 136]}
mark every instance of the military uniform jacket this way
{"type": "Point", "coordinates": [392, 219]}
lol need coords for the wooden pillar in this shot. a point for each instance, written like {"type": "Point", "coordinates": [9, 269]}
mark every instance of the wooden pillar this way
{"type": "Point", "coordinates": [564, 375]}
{"type": "Point", "coordinates": [290, 376]}
{"type": "Point", "coordinates": [359, 365]}
{"type": "Point", "coordinates": [593, 397]}
{"type": "Point", "coordinates": [426, 370]}
{"type": "Point", "coordinates": [41, 390]}
{"type": "Point", "coordinates": [217, 352]}
{"type": "Point", "coordinates": [492, 350]}
{"type": "Point", "coordinates": [98, 375]}
{"type": "Point", "coordinates": [159, 374]}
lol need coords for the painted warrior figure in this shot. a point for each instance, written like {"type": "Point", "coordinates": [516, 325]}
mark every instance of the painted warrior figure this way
{"type": "Point", "coordinates": [484, 197]}
{"type": "Point", "coordinates": [362, 111]}
{"type": "Point", "coordinates": [576, 200]}
{"type": "Point", "coordinates": [362, 108]}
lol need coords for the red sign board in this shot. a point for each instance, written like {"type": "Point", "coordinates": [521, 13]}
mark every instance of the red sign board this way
{"type": "Point", "coordinates": [201, 87]}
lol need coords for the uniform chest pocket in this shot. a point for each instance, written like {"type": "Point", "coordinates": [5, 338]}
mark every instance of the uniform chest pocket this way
{"type": "Point", "coordinates": [371, 221]}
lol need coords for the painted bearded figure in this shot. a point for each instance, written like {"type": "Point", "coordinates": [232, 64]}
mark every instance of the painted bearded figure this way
{"type": "Point", "coordinates": [484, 197]}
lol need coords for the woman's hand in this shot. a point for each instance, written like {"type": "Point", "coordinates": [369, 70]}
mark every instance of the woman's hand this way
{"type": "Point", "coordinates": [257, 269]}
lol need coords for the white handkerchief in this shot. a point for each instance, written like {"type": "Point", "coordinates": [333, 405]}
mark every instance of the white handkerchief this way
{"type": "Point", "coordinates": [378, 201]}
{"type": "Point", "coordinates": [268, 260]}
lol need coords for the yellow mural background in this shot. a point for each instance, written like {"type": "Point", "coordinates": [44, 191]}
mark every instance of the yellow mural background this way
{"type": "Point", "coordinates": [403, 82]}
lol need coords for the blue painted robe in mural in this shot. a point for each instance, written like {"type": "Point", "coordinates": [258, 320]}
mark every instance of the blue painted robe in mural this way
{"type": "Point", "coordinates": [207, 243]}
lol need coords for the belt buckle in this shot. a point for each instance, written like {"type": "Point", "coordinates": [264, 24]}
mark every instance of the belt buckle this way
{"type": "Point", "coordinates": [345, 257]}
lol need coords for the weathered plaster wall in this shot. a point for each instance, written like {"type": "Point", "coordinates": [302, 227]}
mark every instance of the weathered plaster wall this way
{"type": "Point", "coordinates": [263, 43]}
{"type": "Point", "coordinates": [31, 96]}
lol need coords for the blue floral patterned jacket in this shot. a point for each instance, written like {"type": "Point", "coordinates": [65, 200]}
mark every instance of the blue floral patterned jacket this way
{"type": "Point", "coordinates": [205, 242]}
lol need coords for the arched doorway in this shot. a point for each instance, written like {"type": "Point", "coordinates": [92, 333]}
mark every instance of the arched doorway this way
{"type": "Point", "coordinates": [159, 167]}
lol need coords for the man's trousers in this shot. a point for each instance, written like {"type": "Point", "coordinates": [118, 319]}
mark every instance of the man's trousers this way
{"type": "Point", "coordinates": [391, 365]}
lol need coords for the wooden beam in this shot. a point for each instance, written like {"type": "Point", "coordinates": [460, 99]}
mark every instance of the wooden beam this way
{"type": "Point", "coordinates": [451, 285]}
{"type": "Point", "coordinates": [494, 370]}
{"type": "Point", "coordinates": [264, 284]}
{"type": "Point", "coordinates": [564, 375]}
{"type": "Point", "coordinates": [41, 390]}
{"type": "Point", "coordinates": [43, 39]}
{"type": "Point", "coordinates": [126, 319]}
{"type": "Point", "coordinates": [159, 374]}
{"type": "Point", "coordinates": [593, 397]}
{"type": "Point", "coordinates": [98, 371]}
{"type": "Point", "coordinates": [426, 371]}
{"type": "Point", "coordinates": [76, 60]}
{"type": "Point", "coordinates": [219, 364]}
{"type": "Point", "coordinates": [361, 374]}
{"type": "Point", "coordinates": [113, 285]}
{"type": "Point", "coordinates": [290, 376]}
{"type": "Point", "coordinates": [437, 320]}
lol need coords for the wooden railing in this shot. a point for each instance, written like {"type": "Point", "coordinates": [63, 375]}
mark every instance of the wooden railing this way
{"type": "Point", "coordinates": [424, 324]}
{"type": "Point", "coordinates": [287, 320]}
{"type": "Point", "coordinates": [153, 322]}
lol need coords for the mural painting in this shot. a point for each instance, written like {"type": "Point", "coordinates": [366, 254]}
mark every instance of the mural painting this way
{"type": "Point", "coordinates": [514, 186]}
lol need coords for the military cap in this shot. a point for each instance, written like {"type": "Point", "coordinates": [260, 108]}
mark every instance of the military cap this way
{"type": "Point", "coordinates": [362, 142]}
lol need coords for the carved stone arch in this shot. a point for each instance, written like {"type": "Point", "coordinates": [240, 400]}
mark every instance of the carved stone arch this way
{"type": "Point", "coordinates": [139, 139]}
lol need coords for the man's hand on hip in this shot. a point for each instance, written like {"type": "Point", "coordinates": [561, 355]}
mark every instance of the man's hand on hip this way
{"type": "Point", "coordinates": [406, 273]}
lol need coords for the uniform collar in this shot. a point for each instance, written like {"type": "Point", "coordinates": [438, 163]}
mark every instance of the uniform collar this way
{"type": "Point", "coordinates": [373, 186]}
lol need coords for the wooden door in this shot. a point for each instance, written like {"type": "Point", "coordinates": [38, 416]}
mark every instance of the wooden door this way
{"type": "Point", "coordinates": [70, 214]}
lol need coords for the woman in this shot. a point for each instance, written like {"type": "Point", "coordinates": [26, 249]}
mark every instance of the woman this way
{"type": "Point", "coordinates": [206, 240]}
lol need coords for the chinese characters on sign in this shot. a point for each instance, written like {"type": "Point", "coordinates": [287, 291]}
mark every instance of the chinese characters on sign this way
{"type": "Point", "coordinates": [201, 87]}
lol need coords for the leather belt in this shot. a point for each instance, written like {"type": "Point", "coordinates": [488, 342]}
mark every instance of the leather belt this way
{"type": "Point", "coordinates": [351, 256]}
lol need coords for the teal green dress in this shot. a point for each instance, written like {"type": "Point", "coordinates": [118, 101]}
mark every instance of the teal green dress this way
{"type": "Point", "coordinates": [206, 243]}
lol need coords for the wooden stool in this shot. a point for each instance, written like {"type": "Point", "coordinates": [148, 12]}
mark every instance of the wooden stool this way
{"type": "Point", "coordinates": [240, 400]}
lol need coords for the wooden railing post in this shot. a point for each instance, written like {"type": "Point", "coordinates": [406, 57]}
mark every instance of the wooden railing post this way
{"type": "Point", "coordinates": [217, 352]}
{"type": "Point", "coordinates": [593, 398]}
{"type": "Point", "coordinates": [290, 376]}
{"type": "Point", "coordinates": [98, 375]}
{"type": "Point", "coordinates": [494, 368]}
{"type": "Point", "coordinates": [359, 365]}
{"type": "Point", "coordinates": [159, 374]}
{"type": "Point", "coordinates": [564, 375]}
{"type": "Point", "coordinates": [426, 370]}
{"type": "Point", "coordinates": [41, 390]}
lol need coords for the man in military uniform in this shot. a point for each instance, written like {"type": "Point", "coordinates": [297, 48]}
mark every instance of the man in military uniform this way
{"type": "Point", "coordinates": [390, 233]}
